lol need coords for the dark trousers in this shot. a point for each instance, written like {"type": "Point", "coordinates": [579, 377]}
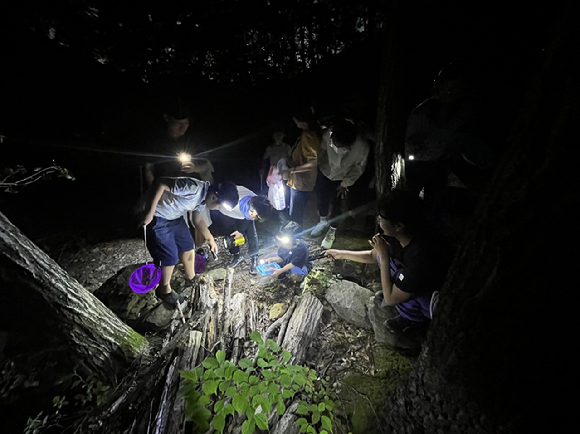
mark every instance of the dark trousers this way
{"type": "Point", "coordinates": [246, 228]}
{"type": "Point", "coordinates": [328, 201]}
{"type": "Point", "coordinates": [298, 201]}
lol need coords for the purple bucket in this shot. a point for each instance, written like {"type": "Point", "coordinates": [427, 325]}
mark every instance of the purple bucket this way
{"type": "Point", "coordinates": [145, 278]}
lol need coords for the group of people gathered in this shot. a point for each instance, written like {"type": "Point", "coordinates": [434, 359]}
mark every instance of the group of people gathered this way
{"type": "Point", "coordinates": [411, 254]}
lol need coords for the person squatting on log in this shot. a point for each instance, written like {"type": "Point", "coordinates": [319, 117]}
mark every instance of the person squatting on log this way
{"type": "Point", "coordinates": [272, 155]}
{"type": "Point", "coordinates": [239, 222]}
{"type": "Point", "coordinates": [413, 259]}
{"type": "Point", "coordinates": [341, 162]}
{"type": "Point", "coordinates": [167, 202]}
{"type": "Point", "coordinates": [302, 173]}
{"type": "Point", "coordinates": [292, 255]}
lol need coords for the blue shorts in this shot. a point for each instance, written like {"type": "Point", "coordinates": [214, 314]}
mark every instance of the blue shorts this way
{"type": "Point", "coordinates": [299, 271]}
{"type": "Point", "coordinates": [169, 238]}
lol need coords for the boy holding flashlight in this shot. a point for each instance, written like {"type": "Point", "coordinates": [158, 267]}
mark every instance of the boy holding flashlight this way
{"type": "Point", "coordinates": [292, 255]}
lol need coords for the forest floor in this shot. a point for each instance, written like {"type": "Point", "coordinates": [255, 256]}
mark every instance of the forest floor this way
{"type": "Point", "coordinates": [360, 370]}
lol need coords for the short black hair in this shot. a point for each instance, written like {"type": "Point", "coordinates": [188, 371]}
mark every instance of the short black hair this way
{"type": "Point", "coordinates": [227, 192]}
{"type": "Point", "coordinates": [262, 206]}
{"type": "Point", "coordinates": [291, 229]}
{"type": "Point", "coordinates": [401, 206]}
{"type": "Point", "coordinates": [344, 132]}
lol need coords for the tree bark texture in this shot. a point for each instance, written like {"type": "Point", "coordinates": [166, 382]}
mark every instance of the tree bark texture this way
{"type": "Point", "coordinates": [30, 278]}
{"type": "Point", "coordinates": [495, 359]}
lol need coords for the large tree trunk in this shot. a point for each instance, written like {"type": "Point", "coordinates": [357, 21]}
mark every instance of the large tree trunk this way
{"type": "Point", "coordinates": [37, 292]}
{"type": "Point", "coordinates": [494, 357]}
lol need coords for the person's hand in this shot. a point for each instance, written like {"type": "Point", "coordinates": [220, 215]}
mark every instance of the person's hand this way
{"type": "Point", "coordinates": [266, 260]}
{"type": "Point", "coordinates": [380, 245]}
{"type": "Point", "coordinates": [237, 235]}
{"type": "Point", "coordinates": [213, 245]}
{"type": "Point", "coordinates": [145, 218]}
{"type": "Point", "coordinates": [277, 272]}
{"type": "Point", "coordinates": [341, 191]}
{"type": "Point", "coordinates": [331, 255]}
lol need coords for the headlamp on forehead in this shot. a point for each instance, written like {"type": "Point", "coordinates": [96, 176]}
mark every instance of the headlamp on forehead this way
{"type": "Point", "coordinates": [227, 206]}
{"type": "Point", "coordinates": [284, 238]}
{"type": "Point", "coordinates": [184, 157]}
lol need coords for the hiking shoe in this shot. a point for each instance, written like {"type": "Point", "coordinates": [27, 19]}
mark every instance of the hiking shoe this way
{"type": "Point", "coordinates": [320, 228]}
{"type": "Point", "coordinates": [192, 282]}
{"type": "Point", "coordinates": [236, 259]}
{"type": "Point", "coordinates": [254, 265]}
{"type": "Point", "coordinates": [399, 325]}
{"type": "Point", "coordinates": [171, 298]}
{"type": "Point", "coordinates": [328, 239]}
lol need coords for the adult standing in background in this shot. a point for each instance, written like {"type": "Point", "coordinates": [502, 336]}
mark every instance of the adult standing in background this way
{"type": "Point", "coordinates": [304, 159]}
{"type": "Point", "coordinates": [342, 161]}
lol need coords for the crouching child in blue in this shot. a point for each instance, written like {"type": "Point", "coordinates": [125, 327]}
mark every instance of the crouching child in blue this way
{"type": "Point", "coordinates": [413, 260]}
{"type": "Point", "coordinates": [292, 255]}
{"type": "Point", "coordinates": [169, 240]}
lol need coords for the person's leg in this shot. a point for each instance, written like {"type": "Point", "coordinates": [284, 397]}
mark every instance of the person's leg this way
{"type": "Point", "coordinates": [323, 200]}
{"type": "Point", "coordinates": [188, 261]}
{"type": "Point", "coordinates": [298, 200]}
{"type": "Point", "coordinates": [248, 228]}
{"type": "Point", "coordinates": [167, 255]}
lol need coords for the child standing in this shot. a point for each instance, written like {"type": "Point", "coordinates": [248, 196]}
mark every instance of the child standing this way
{"type": "Point", "coordinates": [274, 153]}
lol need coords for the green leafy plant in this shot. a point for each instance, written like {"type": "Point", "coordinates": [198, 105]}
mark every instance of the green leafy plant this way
{"type": "Point", "coordinates": [219, 388]}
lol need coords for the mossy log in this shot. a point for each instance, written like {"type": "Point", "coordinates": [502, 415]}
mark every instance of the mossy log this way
{"type": "Point", "coordinates": [42, 293]}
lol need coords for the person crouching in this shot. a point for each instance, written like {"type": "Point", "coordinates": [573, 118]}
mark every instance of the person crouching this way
{"type": "Point", "coordinates": [292, 255]}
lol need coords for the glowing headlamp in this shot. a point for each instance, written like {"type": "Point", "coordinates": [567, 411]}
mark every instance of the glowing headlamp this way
{"type": "Point", "coordinates": [227, 206]}
{"type": "Point", "coordinates": [411, 157]}
{"type": "Point", "coordinates": [184, 157]}
{"type": "Point", "coordinates": [284, 239]}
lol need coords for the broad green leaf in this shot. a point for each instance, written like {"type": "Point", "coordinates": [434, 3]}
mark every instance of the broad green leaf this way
{"type": "Point", "coordinates": [231, 391]}
{"type": "Point", "coordinates": [272, 345]}
{"type": "Point", "coordinates": [245, 363]}
{"type": "Point", "coordinates": [315, 417]}
{"type": "Point", "coordinates": [256, 400]}
{"type": "Point", "coordinates": [286, 355]}
{"type": "Point", "coordinates": [274, 363]}
{"type": "Point", "coordinates": [223, 386]}
{"type": "Point", "coordinates": [287, 393]}
{"type": "Point", "coordinates": [321, 407]}
{"type": "Point", "coordinates": [303, 427]}
{"type": "Point", "coordinates": [303, 409]}
{"type": "Point", "coordinates": [220, 356]}
{"type": "Point", "coordinates": [262, 363]}
{"type": "Point", "coordinates": [203, 400]}
{"type": "Point", "coordinates": [323, 432]}
{"type": "Point", "coordinates": [229, 371]}
{"type": "Point", "coordinates": [273, 389]}
{"type": "Point", "coordinates": [299, 379]}
{"type": "Point", "coordinates": [329, 404]}
{"type": "Point", "coordinates": [200, 416]}
{"type": "Point", "coordinates": [253, 379]}
{"type": "Point", "coordinates": [281, 408]}
{"type": "Point", "coordinates": [240, 402]}
{"type": "Point", "coordinates": [257, 337]}
{"type": "Point", "coordinates": [209, 375]}
{"type": "Point", "coordinates": [261, 421]}
{"type": "Point", "coordinates": [198, 371]}
{"type": "Point", "coordinates": [310, 430]}
{"type": "Point", "coordinates": [210, 363]}
{"type": "Point", "coordinates": [285, 380]}
{"type": "Point", "coordinates": [192, 398]}
{"type": "Point", "coordinates": [301, 421]}
{"type": "Point", "coordinates": [266, 404]}
{"type": "Point", "coordinates": [217, 407]}
{"type": "Point", "coordinates": [268, 375]}
{"type": "Point", "coordinates": [240, 377]}
{"type": "Point", "coordinates": [219, 422]}
{"type": "Point", "coordinates": [248, 426]}
{"type": "Point", "coordinates": [273, 397]}
{"type": "Point", "coordinates": [295, 386]}
{"type": "Point", "coordinates": [313, 407]}
{"type": "Point", "coordinates": [326, 424]}
{"type": "Point", "coordinates": [189, 375]}
{"type": "Point", "coordinates": [254, 390]}
{"type": "Point", "coordinates": [262, 386]}
{"type": "Point", "coordinates": [229, 409]}
{"type": "Point", "coordinates": [312, 375]}
{"type": "Point", "coordinates": [219, 372]}
{"type": "Point", "coordinates": [263, 353]}
{"type": "Point", "coordinates": [209, 387]}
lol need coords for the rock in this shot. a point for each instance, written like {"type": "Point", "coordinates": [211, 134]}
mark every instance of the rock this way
{"type": "Point", "coordinates": [278, 310]}
{"type": "Point", "coordinates": [349, 301]}
{"type": "Point", "coordinates": [142, 312]}
{"type": "Point", "coordinates": [347, 270]}
{"type": "Point", "coordinates": [217, 274]}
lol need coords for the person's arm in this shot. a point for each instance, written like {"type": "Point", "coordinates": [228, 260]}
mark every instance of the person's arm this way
{"type": "Point", "coordinates": [392, 294]}
{"type": "Point", "coordinates": [200, 225]}
{"type": "Point", "coordinates": [357, 169]}
{"type": "Point", "coordinates": [273, 259]}
{"type": "Point", "coordinates": [311, 163]}
{"type": "Point", "coordinates": [152, 197]}
{"type": "Point", "coordinates": [284, 269]}
{"type": "Point", "coordinates": [364, 257]}
{"type": "Point", "coordinates": [148, 169]}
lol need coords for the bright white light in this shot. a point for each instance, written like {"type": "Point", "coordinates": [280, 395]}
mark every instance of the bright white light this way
{"type": "Point", "coordinates": [184, 157]}
{"type": "Point", "coordinates": [284, 239]}
{"type": "Point", "coordinates": [411, 157]}
{"type": "Point", "coordinates": [227, 206]}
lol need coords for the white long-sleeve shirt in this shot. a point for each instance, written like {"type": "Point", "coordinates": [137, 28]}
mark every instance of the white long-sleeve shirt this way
{"type": "Point", "coordinates": [343, 164]}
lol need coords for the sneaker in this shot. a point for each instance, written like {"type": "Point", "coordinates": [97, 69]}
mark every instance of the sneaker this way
{"type": "Point", "coordinates": [328, 239]}
{"type": "Point", "coordinates": [320, 228]}
{"type": "Point", "coordinates": [236, 259]}
{"type": "Point", "coordinates": [399, 325]}
{"type": "Point", "coordinates": [254, 265]}
{"type": "Point", "coordinates": [191, 282]}
{"type": "Point", "coordinates": [171, 298]}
